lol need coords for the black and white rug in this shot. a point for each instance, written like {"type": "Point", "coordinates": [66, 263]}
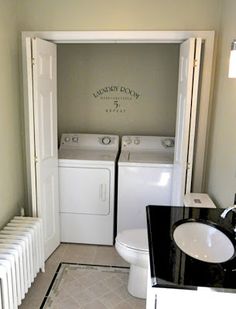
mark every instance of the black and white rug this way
{"type": "Point", "coordinates": [90, 287]}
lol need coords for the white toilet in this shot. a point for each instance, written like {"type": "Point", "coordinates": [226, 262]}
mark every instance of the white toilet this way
{"type": "Point", "coordinates": [132, 246]}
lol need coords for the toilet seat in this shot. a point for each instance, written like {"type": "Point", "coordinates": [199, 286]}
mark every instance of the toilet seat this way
{"type": "Point", "coordinates": [135, 239]}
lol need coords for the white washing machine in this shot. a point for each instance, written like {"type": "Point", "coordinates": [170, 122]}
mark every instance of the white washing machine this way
{"type": "Point", "coordinates": [145, 169]}
{"type": "Point", "coordinates": [87, 187]}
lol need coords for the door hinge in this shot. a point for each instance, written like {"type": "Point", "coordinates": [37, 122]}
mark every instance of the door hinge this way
{"type": "Point", "coordinates": [33, 61]}
{"type": "Point", "coordinates": [188, 166]}
{"type": "Point", "coordinates": [36, 159]}
{"type": "Point", "coordinates": [195, 62]}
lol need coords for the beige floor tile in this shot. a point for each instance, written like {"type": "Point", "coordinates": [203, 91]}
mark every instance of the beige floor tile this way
{"type": "Point", "coordinates": [79, 253]}
{"type": "Point", "coordinates": [111, 299]}
{"type": "Point", "coordinates": [115, 282]}
{"type": "Point", "coordinates": [106, 255]}
{"type": "Point", "coordinates": [95, 304]}
{"type": "Point", "coordinates": [83, 297]}
{"type": "Point", "coordinates": [123, 305]}
{"type": "Point", "coordinates": [31, 303]}
{"type": "Point", "coordinates": [99, 290]}
{"type": "Point", "coordinates": [67, 303]}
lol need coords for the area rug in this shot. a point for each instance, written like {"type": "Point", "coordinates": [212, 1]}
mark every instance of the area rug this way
{"type": "Point", "coordinates": [90, 287]}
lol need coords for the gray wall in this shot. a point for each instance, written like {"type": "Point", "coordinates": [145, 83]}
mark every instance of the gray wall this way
{"type": "Point", "coordinates": [11, 165]}
{"type": "Point", "coordinates": [118, 88]}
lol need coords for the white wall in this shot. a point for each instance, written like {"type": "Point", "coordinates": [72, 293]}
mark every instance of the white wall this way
{"type": "Point", "coordinates": [118, 88]}
{"type": "Point", "coordinates": [11, 166]}
{"type": "Point", "coordinates": [221, 178]}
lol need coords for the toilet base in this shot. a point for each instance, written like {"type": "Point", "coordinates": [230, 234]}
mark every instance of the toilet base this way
{"type": "Point", "coordinates": [137, 284]}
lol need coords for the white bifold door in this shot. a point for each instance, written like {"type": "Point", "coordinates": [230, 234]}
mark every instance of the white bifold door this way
{"type": "Point", "coordinates": [189, 68]}
{"type": "Point", "coordinates": [42, 77]}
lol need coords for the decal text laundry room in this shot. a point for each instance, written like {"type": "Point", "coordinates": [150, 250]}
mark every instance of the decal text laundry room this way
{"type": "Point", "coordinates": [116, 98]}
{"type": "Point", "coordinates": [122, 90]}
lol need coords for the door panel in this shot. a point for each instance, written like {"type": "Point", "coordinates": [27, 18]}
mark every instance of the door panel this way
{"type": "Point", "coordinates": [192, 128]}
{"type": "Point", "coordinates": [45, 119]}
{"type": "Point", "coordinates": [48, 200]}
{"type": "Point", "coordinates": [46, 115]}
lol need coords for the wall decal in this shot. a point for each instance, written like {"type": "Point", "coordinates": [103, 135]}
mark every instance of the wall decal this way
{"type": "Point", "coordinates": [116, 97]}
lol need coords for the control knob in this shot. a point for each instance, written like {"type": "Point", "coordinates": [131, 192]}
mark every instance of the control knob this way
{"type": "Point", "coordinates": [75, 139]}
{"type": "Point", "coordinates": [106, 140]}
{"type": "Point", "coordinates": [127, 141]}
{"type": "Point", "coordinates": [168, 142]}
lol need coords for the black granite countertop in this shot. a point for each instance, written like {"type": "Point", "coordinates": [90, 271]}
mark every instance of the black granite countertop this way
{"type": "Point", "coordinates": [171, 267]}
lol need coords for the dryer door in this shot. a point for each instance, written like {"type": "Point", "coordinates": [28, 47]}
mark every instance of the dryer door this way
{"type": "Point", "coordinates": [84, 190]}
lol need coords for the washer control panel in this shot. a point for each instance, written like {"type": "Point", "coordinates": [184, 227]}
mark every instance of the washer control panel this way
{"type": "Point", "coordinates": [156, 143]}
{"type": "Point", "coordinates": [132, 141]}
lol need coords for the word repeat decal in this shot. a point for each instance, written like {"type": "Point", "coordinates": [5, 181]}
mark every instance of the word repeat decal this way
{"type": "Point", "coordinates": [117, 97]}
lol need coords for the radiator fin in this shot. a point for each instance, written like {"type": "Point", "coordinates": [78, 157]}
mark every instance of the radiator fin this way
{"type": "Point", "coordinates": [21, 258]}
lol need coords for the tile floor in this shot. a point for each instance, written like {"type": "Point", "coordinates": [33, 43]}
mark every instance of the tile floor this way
{"type": "Point", "coordinates": [71, 253]}
{"type": "Point", "coordinates": [88, 287]}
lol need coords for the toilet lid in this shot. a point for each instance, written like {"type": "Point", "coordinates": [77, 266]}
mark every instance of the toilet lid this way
{"type": "Point", "coordinates": [135, 239]}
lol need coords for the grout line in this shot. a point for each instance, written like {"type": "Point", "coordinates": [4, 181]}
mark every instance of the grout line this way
{"type": "Point", "coordinates": [96, 265]}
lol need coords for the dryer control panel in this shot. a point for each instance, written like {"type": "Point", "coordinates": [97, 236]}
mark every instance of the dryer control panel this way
{"type": "Point", "coordinates": [89, 141]}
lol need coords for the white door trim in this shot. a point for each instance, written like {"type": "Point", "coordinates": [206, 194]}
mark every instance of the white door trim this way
{"type": "Point", "coordinates": [135, 37]}
{"type": "Point", "coordinates": [119, 36]}
{"type": "Point", "coordinates": [194, 106]}
{"type": "Point", "coordinates": [29, 127]}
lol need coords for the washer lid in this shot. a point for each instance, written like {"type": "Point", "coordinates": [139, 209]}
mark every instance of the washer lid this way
{"type": "Point", "coordinates": [135, 239]}
{"type": "Point", "coordinates": [151, 157]}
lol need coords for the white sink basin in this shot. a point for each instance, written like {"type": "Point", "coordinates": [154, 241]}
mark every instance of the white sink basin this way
{"type": "Point", "coordinates": [203, 242]}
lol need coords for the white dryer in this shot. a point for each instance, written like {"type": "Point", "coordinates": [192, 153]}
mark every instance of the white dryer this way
{"type": "Point", "coordinates": [145, 169]}
{"type": "Point", "coordinates": [87, 187]}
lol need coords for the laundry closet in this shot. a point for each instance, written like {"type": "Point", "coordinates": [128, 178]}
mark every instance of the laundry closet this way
{"type": "Point", "coordinates": [124, 89]}
{"type": "Point", "coordinates": [114, 90]}
{"type": "Point", "coordinates": [144, 86]}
